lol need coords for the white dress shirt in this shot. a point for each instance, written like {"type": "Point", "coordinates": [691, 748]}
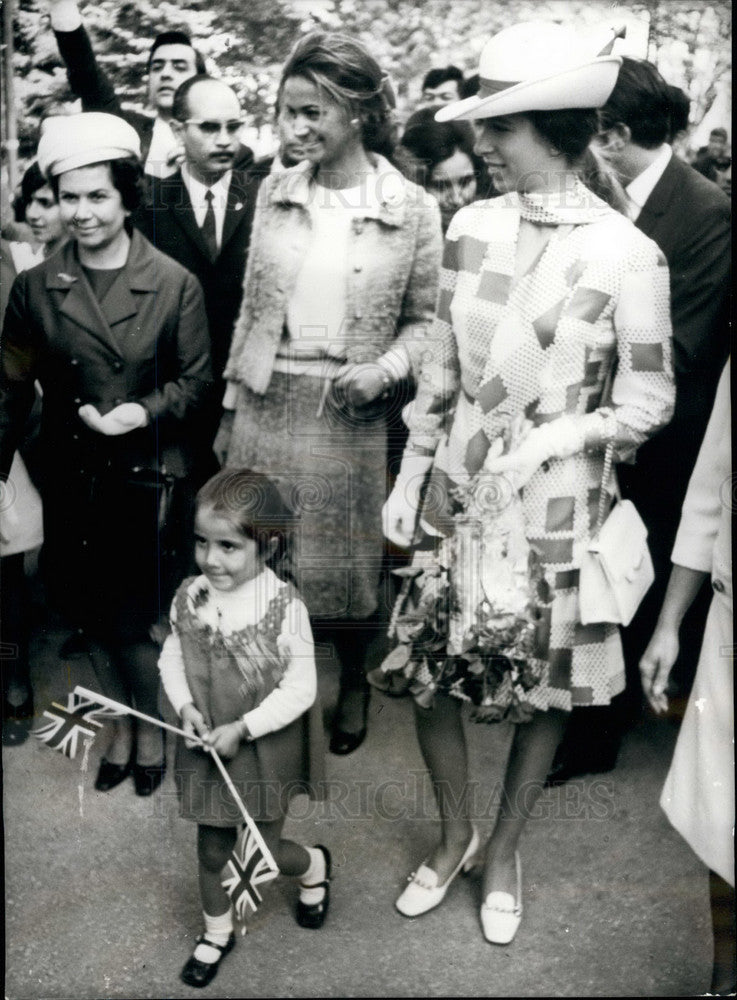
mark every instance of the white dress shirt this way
{"type": "Point", "coordinates": [197, 191]}
{"type": "Point", "coordinates": [640, 189]}
{"type": "Point", "coordinates": [163, 145]}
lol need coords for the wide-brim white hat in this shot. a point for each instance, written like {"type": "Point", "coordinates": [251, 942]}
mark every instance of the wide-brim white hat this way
{"type": "Point", "coordinates": [71, 141]}
{"type": "Point", "coordinates": [538, 66]}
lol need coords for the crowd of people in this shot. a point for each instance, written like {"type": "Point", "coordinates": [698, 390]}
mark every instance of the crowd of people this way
{"type": "Point", "coordinates": [234, 390]}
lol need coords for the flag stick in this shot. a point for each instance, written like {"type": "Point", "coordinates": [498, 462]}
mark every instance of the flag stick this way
{"type": "Point", "coordinates": [127, 710]}
{"type": "Point", "coordinates": [268, 856]}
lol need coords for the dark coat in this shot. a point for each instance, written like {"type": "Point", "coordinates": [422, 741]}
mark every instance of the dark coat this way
{"type": "Point", "coordinates": [689, 218]}
{"type": "Point", "coordinates": [89, 83]}
{"type": "Point", "coordinates": [167, 219]}
{"type": "Point", "coordinates": [146, 342]}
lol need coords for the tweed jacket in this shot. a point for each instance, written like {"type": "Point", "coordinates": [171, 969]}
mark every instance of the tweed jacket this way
{"type": "Point", "coordinates": [146, 342]}
{"type": "Point", "coordinates": [394, 260]}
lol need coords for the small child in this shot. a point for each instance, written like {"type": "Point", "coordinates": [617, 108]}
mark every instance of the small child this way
{"type": "Point", "coordinates": [239, 670]}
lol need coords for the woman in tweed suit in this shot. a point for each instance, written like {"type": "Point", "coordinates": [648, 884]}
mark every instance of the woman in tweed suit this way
{"type": "Point", "coordinates": [338, 297]}
{"type": "Point", "coordinates": [544, 293]}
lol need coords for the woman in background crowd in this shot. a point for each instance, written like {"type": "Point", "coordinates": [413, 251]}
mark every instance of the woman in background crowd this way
{"type": "Point", "coordinates": [20, 513]}
{"type": "Point", "coordinates": [449, 168]}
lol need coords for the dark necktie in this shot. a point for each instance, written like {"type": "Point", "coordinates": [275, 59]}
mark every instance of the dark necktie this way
{"type": "Point", "coordinates": [209, 233]}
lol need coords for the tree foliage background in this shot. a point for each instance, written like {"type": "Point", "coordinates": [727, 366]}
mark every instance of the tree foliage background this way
{"type": "Point", "coordinates": [246, 41]}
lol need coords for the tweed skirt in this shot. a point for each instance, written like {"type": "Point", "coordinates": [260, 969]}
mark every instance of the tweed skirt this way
{"type": "Point", "coordinates": [330, 467]}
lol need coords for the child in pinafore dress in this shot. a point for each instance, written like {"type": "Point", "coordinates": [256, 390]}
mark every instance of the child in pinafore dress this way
{"type": "Point", "coordinates": [239, 670]}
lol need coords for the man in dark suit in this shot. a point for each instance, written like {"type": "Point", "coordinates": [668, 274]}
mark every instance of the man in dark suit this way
{"type": "Point", "coordinates": [201, 215]}
{"type": "Point", "coordinates": [689, 218]}
{"type": "Point", "coordinates": [171, 61]}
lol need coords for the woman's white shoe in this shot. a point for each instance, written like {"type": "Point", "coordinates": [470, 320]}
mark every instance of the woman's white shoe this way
{"type": "Point", "coordinates": [501, 913]}
{"type": "Point", "coordinates": [423, 892]}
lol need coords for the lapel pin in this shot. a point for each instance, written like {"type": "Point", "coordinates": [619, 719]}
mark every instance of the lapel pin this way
{"type": "Point", "coordinates": [66, 277]}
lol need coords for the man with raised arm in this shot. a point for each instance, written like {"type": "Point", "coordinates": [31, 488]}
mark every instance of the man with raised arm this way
{"type": "Point", "coordinates": [171, 61]}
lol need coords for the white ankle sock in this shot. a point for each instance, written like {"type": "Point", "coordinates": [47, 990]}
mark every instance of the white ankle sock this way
{"type": "Point", "coordinates": [315, 873]}
{"type": "Point", "coordinates": [218, 930]}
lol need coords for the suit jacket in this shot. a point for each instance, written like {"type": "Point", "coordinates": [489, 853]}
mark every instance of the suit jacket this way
{"type": "Point", "coordinates": [146, 342]}
{"type": "Point", "coordinates": [88, 82]}
{"type": "Point", "coordinates": [167, 219]}
{"type": "Point", "coordinates": [689, 218]}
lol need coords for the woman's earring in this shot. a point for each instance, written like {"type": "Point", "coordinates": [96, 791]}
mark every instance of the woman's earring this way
{"type": "Point", "coordinates": [355, 122]}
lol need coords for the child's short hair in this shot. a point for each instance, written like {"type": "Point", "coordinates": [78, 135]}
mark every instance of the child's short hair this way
{"type": "Point", "coordinates": [254, 505]}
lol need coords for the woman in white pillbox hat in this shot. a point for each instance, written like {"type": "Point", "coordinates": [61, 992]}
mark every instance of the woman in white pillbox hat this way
{"type": "Point", "coordinates": [115, 333]}
{"type": "Point", "coordinates": [544, 293]}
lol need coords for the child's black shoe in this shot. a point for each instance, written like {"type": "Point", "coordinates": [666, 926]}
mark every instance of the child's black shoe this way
{"type": "Point", "coordinates": [197, 973]}
{"type": "Point", "coordinates": [312, 914]}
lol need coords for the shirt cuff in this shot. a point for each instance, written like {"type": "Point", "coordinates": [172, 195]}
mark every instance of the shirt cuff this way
{"type": "Point", "coordinates": [230, 398]}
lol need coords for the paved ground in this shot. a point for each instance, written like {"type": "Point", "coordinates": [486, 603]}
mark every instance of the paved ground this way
{"type": "Point", "coordinates": [101, 891]}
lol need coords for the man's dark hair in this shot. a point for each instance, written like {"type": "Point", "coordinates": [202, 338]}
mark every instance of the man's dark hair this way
{"type": "Point", "coordinates": [470, 86]}
{"type": "Point", "coordinates": [642, 101]}
{"type": "Point", "coordinates": [444, 74]}
{"type": "Point", "coordinates": [180, 104]}
{"type": "Point", "coordinates": [680, 105]}
{"type": "Point", "coordinates": [177, 38]}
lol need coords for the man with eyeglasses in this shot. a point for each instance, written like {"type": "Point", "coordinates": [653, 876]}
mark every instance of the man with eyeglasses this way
{"type": "Point", "coordinates": [201, 215]}
{"type": "Point", "coordinates": [171, 61]}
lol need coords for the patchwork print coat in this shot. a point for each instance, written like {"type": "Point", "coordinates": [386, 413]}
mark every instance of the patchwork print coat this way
{"type": "Point", "coordinates": [593, 311]}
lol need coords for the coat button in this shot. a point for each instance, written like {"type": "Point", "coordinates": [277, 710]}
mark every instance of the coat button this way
{"type": "Point", "coordinates": [77, 401]}
{"type": "Point", "coordinates": [74, 361]}
{"type": "Point", "coordinates": [358, 267]}
{"type": "Point", "coordinates": [358, 314]}
{"type": "Point", "coordinates": [117, 366]}
{"type": "Point", "coordinates": [718, 586]}
{"type": "Point", "coordinates": [117, 402]}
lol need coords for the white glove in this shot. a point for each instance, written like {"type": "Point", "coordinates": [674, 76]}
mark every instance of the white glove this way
{"type": "Point", "coordinates": [120, 420]}
{"type": "Point", "coordinates": [399, 513]}
{"type": "Point", "coordinates": [558, 439]}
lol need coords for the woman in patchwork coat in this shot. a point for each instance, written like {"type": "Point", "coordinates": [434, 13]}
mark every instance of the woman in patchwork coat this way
{"type": "Point", "coordinates": [545, 294]}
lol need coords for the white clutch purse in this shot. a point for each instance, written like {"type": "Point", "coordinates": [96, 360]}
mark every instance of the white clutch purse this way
{"type": "Point", "coordinates": [616, 569]}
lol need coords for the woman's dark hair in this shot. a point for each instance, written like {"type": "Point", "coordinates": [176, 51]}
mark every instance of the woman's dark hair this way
{"type": "Point", "coordinates": [31, 181]}
{"type": "Point", "coordinates": [570, 132]}
{"type": "Point", "coordinates": [348, 72]}
{"type": "Point", "coordinates": [642, 101]}
{"type": "Point", "coordinates": [254, 506]}
{"type": "Point", "coordinates": [432, 142]}
{"type": "Point", "coordinates": [127, 177]}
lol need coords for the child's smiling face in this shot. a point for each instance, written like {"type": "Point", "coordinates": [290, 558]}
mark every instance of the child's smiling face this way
{"type": "Point", "coordinates": [227, 557]}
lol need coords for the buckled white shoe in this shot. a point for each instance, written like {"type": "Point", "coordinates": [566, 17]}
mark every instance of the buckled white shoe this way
{"type": "Point", "coordinates": [501, 913]}
{"type": "Point", "coordinates": [423, 892]}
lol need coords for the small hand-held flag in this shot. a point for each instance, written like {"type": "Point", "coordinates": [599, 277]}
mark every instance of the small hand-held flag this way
{"type": "Point", "coordinates": [80, 717]}
{"type": "Point", "coordinates": [244, 872]}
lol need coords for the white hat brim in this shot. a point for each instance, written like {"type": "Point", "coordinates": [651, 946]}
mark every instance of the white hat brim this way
{"type": "Point", "coordinates": [586, 86]}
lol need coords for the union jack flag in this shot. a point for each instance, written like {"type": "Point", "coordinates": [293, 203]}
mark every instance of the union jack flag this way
{"type": "Point", "coordinates": [246, 869]}
{"type": "Point", "coordinates": [66, 725]}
